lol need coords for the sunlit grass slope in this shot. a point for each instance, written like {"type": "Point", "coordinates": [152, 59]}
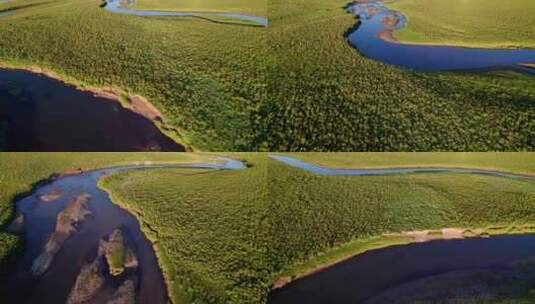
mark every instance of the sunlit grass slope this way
{"type": "Point", "coordinates": [473, 23]}
{"type": "Point", "coordinates": [325, 96]}
{"type": "Point", "coordinates": [255, 7]}
{"type": "Point", "coordinates": [208, 227]}
{"type": "Point", "coordinates": [208, 79]}
{"type": "Point", "coordinates": [321, 214]}
{"type": "Point", "coordinates": [19, 172]}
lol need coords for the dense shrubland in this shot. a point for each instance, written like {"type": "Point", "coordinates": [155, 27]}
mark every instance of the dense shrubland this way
{"type": "Point", "coordinates": [209, 227]}
{"type": "Point", "coordinates": [208, 79]}
{"type": "Point", "coordinates": [313, 214]}
{"type": "Point", "coordinates": [325, 96]}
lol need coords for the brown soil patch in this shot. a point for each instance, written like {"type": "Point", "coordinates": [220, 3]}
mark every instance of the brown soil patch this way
{"type": "Point", "coordinates": [141, 106]}
{"type": "Point", "coordinates": [136, 103]}
{"type": "Point", "coordinates": [281, 282]}
{"type": "Point", "coordinates": [452, 233]}
{"type": "Point", "coordinates": [387, 35]}
{"type": "Point", "coordinates": [418, 236]}
{"type": "Point", "coordinates": [67, 223]}
{"type": "Point", "coordinates": [71, 172]}
{"type": "Point", "coordinates": [50, 197]}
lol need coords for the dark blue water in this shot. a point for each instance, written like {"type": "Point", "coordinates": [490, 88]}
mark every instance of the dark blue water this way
{"type": "Point", "coordinates": [430, 272]}
{"type": "Point", "coordinates": [21, 286]}
{"type": "Point", "coordinates": [373, 17]}
{"type": "Point", "coordinates": [38, 113]}
{"type": "Point", "coordinates": [319, 170]}
{"type": "Point", "coordinates": [121, 7]}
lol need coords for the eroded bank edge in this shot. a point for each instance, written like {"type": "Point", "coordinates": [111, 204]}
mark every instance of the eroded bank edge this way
{"type": "Point", "coordinates": [128, 101]}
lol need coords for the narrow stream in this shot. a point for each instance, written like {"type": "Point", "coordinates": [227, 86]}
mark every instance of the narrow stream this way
{"type": "Point", "coordinates": [64, 223]}
{"type": "Point", "coordinates": [319, 170]}
{"type": "Point", "coordinates": [378, 22]}
{"type": "Point", "coordinates": [38, 113]}
{"type": "Point", "coordinates": [121, 7]}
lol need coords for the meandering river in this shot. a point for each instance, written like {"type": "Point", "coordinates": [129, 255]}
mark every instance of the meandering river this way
{"type": "Point", "coordinates": [431, 271]}
{"type": "Point", "coordinates": [64, 222]}
{"type": "Point", "coordinates": [121, 7]}
{"type": "Point", "coordinates": [38, 113]}
{"type": "Point", "coordinates": [378, 21]}
{"type": "Point", "coordinates": [319, 170]}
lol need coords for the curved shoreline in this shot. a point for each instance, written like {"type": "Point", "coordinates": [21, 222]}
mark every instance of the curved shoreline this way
{"type": "Point", "coordinates": [218, 163]}
{"type": "Point", "coordinates": [392, 38]}
{"type": "Point", "coordinates": [129, 102]}
{"type": "Point", "coordinates": [353, 279]}
{"type": "Point", "coordinates": [147, 232]}
{"type": "Point", "coordinates": [300, 270]}
{"type": "Point", "coordinates": [345, 251]}
{"type": "Point", "coordinates": [394, 170]}
{"type": "Point", "coordinates": [121, 7]}
{"type": "Point", "coordinates": [374, 38]}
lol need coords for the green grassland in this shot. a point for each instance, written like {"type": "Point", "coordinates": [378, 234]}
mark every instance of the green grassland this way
{"type": "Point", "coordinates": [254, 7]}
{"type": "Point", "coordinates": [208, 227]}
{"type": "Point", "coordinates": [325, 96]}
{"type": "Point", "coordinates": [471, 23]}
{"type": "Point", "coordinates": [319, 220]}
{"type": "Point", "coordinates": [20, 172]}
{"type": "Point", "coordinates": [521, 163]}
{"type": "Point", "coordinates": [207, 79]}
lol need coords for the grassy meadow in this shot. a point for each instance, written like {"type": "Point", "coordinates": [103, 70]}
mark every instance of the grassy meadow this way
{"type": "Point", "coordinates": [325, 96]}
{"type": "Point", "coordinates": [209, 228]}
{"type": "Point", "coordinates": [318, 220]}
{"type": "Point", "coordinates": [207, 79]}
{"type": "Point", "coordinates": [472, 23]}
{"type": "Point", "coordinates": [255, 7]}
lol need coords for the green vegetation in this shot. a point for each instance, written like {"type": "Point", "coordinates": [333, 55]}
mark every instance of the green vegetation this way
{"type": "Point", "coordinates": [208, 227]}
{"type": "Point", "coordinates": [19, 173]}
{"type": "Point", "coordinates": [472, 23]}
{"type": "Point", "coordinates": [325, 96]}
{"type": "Point", "coordinates": [226, 236]}
{"type": "Point", "coordinates": [255, 7]}
{"type": "Point", "coordinates": [319, 220]}
{"type": "Point", "coordinates": [520, 163]}
{"type": "Point", "coordinates": [207, 79]}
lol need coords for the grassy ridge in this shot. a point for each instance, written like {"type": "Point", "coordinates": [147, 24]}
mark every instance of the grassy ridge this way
{"type": "Point", "coordinates": [207, 79]}
{"type": "Point", "coordinates": [473, 23]}
{"type": "Point", "coordinates": [208, 226]}
{"type": "Point", "coordinates": [324, 96]}
{"type": "Point", "coordinates": [255, 7]}
{"type": "Point", "coordinates": [20, 171]}
{"type": "Point", "coordinates": [316, 214]}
